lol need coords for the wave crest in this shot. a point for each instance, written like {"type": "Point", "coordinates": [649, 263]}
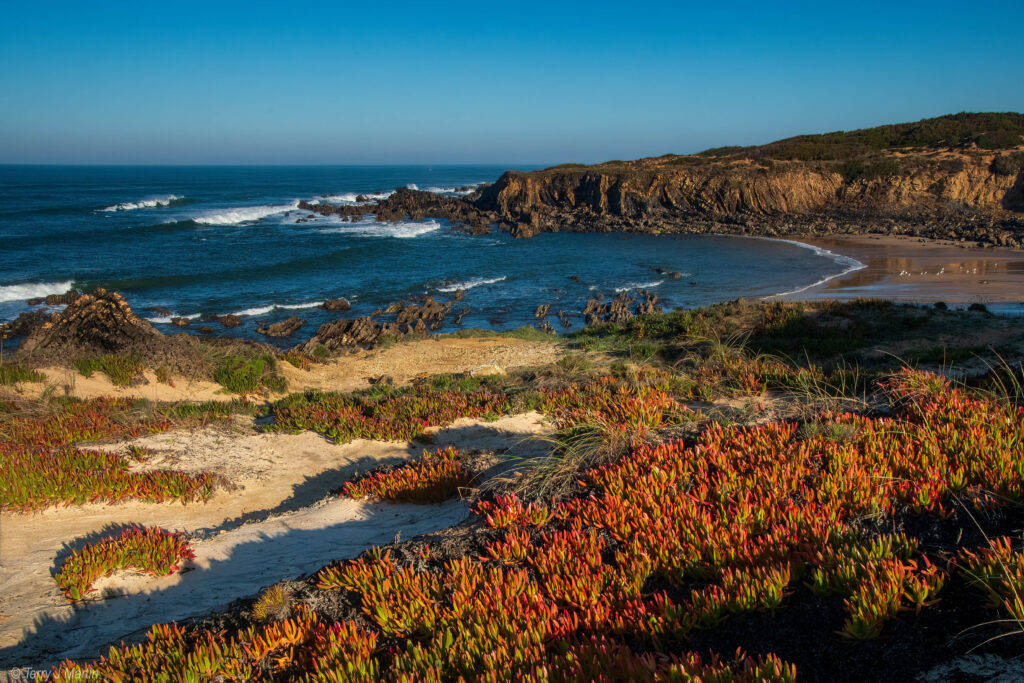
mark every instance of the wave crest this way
{"type": "Point", "coordinates": [243, 214]}
{"type": "Point", "coordinates": [150, 203]}
{"type": "Point", "coordinates": [400, 229]}
{"type": "Point", "coordinates": [470, 284]}
{"type": "Point", "coordinates": [33, 290]}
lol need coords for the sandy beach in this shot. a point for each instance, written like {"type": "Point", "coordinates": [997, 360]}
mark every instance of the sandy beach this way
{"type": "Point", "coordinates": [915, 269]}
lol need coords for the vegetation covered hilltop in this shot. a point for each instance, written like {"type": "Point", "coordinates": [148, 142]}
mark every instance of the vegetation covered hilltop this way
{"type": "Point", "coordinates": [769, 491]}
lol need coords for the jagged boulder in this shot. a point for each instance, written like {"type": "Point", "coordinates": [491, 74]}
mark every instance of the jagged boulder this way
{"type": "Point", "coordinates": [336, 305]}
{"type": "Point", "coordinates": [101, 322]}
{"type": "Point", "coordinates": [285, 328]}
{"type": "Point", "coordinates": [343, 333]}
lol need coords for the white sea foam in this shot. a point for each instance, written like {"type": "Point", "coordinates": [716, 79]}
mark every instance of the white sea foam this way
{"type": "Point", "coordinates": [413, 186]}
{"type": "Point", "coordinates": [150, 203]}
{"type": "Point", "coordinates": [468, 189]}
{"type": "Point", "coordinates": [639, 285]}
{"type": "Point", "coordinates": [243, 214]}
{"type": "Point", "coordinates": [470, 284]}
{"type": "Point", "coordinates": [167, 319]}
{"type": "Point", "coordinates": [850, 265]}
{"type": "Point", "coordinates": [371, 228]}
{"type": "Point", "coordinates": [262, 310]}
{"type": "Point", "coordinates": [32, 290]}
{"type": "Point", "coordinates": [351, 197]}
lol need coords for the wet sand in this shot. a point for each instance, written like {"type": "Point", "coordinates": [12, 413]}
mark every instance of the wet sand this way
{"type": "Point", "coordinates": [919, 270]}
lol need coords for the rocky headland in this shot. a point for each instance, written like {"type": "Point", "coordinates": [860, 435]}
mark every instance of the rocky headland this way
{"type": "Point", "coordinates": [958, 177]}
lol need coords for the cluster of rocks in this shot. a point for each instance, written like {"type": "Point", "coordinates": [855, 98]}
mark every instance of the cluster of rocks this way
{"type": "Point", "coordinates": [617, 310]}
{"type": "Point", "coordinates": [68, 297]}
{"type": "Point", "coordinates": [418, 316]}
{"type": "Point", "coordinates": [410, 204]}
{"type": "Point", "coordinates": [667, 273]}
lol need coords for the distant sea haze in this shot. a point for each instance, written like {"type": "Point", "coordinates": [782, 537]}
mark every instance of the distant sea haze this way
{"type": "Point", "coordinates": [217, 240]}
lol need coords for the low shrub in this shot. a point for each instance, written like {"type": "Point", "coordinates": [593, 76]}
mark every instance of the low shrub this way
{"type": "Point", "coordinates": [241, 375]}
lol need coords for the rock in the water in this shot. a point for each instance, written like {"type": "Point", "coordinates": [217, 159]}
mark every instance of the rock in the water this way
{"type": "Point", "coordinates": [68, 297]}
{"type": "Point", "coordinates": [36, 301]}
{"type": "Point", "coordinates": [101, 322]}
{"type": "Point", "coordinates": [285, 328]}
{"type": "Point", "coordinates": [614, 311]}
{"type": "Point", "coordinates": [230, 320]}
{"type": "Point", "coordinates": [336, 305]}
{"type": "Point", "coordinates": [160, 310]}
{"type": "Point", "coordinates": [181, 322]}
{"type": "Point", "coordinates": [542, 311]}
{"type": "Point", "coordinates": [648, 303]}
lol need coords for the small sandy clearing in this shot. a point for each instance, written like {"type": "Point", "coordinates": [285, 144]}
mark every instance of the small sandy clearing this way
{"type": "Point", "coordinates": [279, 521]}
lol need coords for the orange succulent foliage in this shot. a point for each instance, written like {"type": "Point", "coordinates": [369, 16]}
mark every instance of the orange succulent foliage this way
{"type": "Point", "coordinates": [730, 521]}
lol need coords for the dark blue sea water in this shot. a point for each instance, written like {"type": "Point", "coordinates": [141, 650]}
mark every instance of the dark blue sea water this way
{"type": "Point", "coordinates": [217, 240]}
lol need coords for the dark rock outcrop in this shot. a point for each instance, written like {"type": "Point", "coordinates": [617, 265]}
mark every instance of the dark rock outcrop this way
{"type": "Point", "coordinates": [412, 205]}
{"type": "Point", "coordinates": [285, 328]}
{"type": "Point", "coordinates": [69, 297]}
{"type": "Point", "coordinates": [23, 325]}
{"type": "Point", "coordinates": [101, 322]}
{"type": "Point", "coordinates": [336, 305]}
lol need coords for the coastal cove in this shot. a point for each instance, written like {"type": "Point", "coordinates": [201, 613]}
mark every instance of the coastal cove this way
{"type": "Point", "coordinates": [194, 243]}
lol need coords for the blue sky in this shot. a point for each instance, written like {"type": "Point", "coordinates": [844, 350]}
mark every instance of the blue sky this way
{"type": "Point", "coordinates": [481, 82]}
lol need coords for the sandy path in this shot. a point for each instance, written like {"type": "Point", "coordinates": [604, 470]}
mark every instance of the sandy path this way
{"type": "Point", "coordinates": [279, 522]}
{"type": "Point", "coordinates": [421, 358]}
{"type": "Point", "coordinates": [402, 362]}
{"type": "Point", "coordinates": [914, 269]}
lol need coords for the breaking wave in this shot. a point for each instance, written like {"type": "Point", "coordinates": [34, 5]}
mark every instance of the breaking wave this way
{"type": "Point", "coordinates": [150, 203]}
{"type": "Point", "coordinates": [639, 285]}
{"type": "Point", "coordinates": [352, 197]}
{"type": "Point", "coordinates": [400, 229]}
{"type": "Point", "coordinates": [167, 319]}
{"type": "Point", "coordinates": [470, 284]}
{"type": "Point", "coordinates": [33, 290]}
{"type": "Point", "coordinates": [244, 214]}
{"type": "Point", "coordinates": [262, 310]}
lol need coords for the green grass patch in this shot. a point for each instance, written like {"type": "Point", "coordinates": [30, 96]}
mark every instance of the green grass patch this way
{"type": "Point", "coordinates": [120, 369]}
{"type": "Point", "coordinates": [14, 373]}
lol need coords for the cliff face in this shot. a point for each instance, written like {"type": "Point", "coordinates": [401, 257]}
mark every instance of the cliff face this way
{"type": "Point", "coordinates": [915, 193]}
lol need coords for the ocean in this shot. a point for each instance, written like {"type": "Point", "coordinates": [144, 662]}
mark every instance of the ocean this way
{"type": "Point", "coordinates": [202, 241]}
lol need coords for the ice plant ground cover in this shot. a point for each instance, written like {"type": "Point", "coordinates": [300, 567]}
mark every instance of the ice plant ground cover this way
{"type": "Point", "coordinates": [664, 548]}
{"type": "Point", "coordinates": [433, 478]}
{"type": "Point", "coordinates": [41, 465]}
{"type": "Point", "coordinates": [152, 550]}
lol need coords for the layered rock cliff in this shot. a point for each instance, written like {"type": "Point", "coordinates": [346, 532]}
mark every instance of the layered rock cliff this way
{"type": "Point", "coordinates": [939, 193]}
